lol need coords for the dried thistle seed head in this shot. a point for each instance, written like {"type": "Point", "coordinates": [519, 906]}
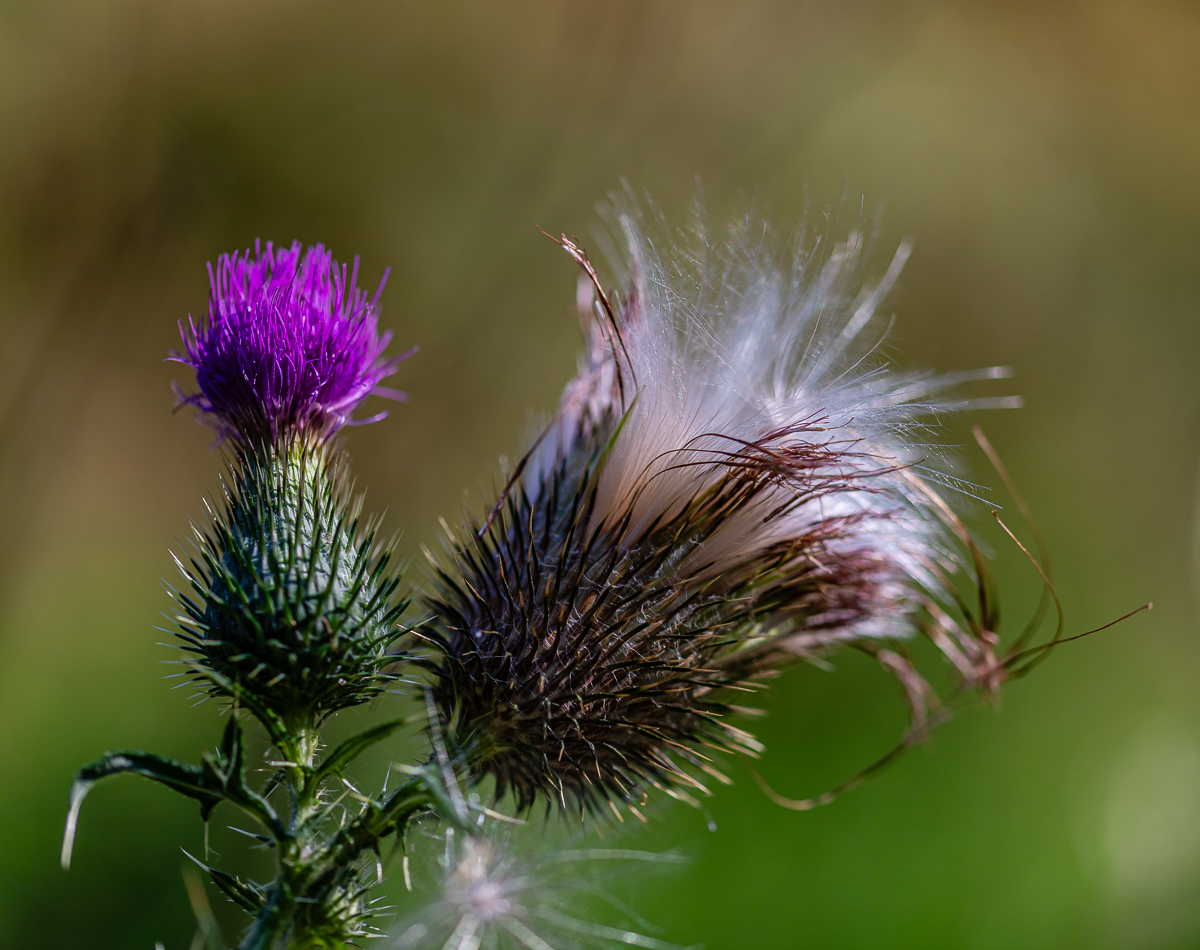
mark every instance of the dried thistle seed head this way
{"type": "Point", "coordinates": [291, 346]}
{"type": "Point", "coordinates": [293, 600]}
{"type": "Point", "coordinates": [728, 485]}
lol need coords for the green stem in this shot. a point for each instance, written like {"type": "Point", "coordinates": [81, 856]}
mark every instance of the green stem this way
{"type": "Point", "coordinates": [302, 751]}
{"type": "Point", "coordinates": [276, 921]}
{"type": "Point", "coordinates": [314, 878]}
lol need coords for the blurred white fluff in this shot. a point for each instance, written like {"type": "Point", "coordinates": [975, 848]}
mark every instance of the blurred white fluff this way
{"type": "Point", "coordinates": [719, 348]}
{"type": "Point", "coordinates": [491, 898]}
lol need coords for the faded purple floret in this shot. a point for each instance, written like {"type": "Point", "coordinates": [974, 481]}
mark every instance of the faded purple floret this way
{"type": "Point", "coordinates": [290, 346]}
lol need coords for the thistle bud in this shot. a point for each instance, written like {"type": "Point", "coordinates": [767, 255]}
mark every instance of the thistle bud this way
{"type": "Point", "coordinates": [727, 486]}
{"type": "Point", "coordinates": [293, 602]}
{"type": "Point", "coordinates": [292, 599]}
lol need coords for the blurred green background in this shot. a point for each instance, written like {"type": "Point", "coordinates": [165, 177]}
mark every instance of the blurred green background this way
{"type": "Point", "coordinates": [1044, 156]}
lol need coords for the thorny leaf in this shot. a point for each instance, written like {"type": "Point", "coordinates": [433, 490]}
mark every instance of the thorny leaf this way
{"type": "Point", "coordinates": [189, 780]}
{"type": "Point", "coordinates": [220, 778]}
{"type": "Point", "coordinates": [335, 763]}
{"type": "Point", "coordinates": [245, 895]}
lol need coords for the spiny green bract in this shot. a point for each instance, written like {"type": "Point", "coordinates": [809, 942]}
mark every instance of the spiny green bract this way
{"type": "Point", "coordinates": [294, 599]}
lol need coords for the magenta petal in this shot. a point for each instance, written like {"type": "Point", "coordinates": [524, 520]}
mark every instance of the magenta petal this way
{"type": "Point", "coordinates": [362, 422]}
{"type": "Point", "coordinates": [290, 345]}
{"type": "Point", "coordinates": [388, 393]}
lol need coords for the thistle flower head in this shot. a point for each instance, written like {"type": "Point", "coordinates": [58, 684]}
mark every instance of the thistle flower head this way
{"type": "Point", "coordinates": [728, 485]}
{"type": "Point", "coordinates": [291, 345]}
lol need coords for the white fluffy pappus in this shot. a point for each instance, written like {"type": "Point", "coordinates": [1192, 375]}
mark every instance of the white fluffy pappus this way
{"type": "Point", "coordinates": [495, 893]}
{"type": "Point", "coordinates": [739, 353]}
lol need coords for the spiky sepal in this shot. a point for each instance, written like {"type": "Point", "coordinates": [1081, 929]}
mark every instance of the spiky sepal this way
{"type": "Point", "coordinates": [292, 600]}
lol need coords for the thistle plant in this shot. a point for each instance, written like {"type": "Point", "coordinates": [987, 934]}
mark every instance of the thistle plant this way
{"type": "Point", "coordinates": [736, 480]}
{"type": "Point", "coordinates": [291, 611]}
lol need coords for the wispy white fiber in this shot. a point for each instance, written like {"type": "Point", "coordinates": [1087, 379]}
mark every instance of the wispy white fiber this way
{"type": "Point", "coordinates": [736, 340]}
{"type": "Point", "coordinates": [495, 895]}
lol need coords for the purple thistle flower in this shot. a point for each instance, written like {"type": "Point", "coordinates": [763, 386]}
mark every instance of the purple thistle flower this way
{"type": "Point", "coordinates": [290, 346]}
